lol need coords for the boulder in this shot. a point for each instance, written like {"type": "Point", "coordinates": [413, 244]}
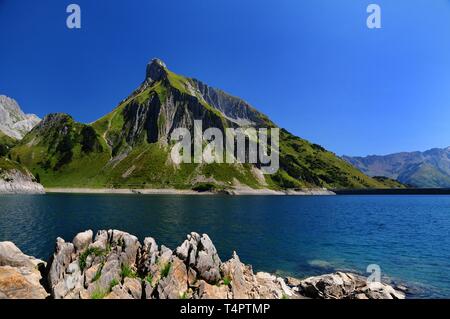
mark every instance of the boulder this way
{"type": "Point", "coordinates": [242, 280]}
{"type": "Point", "coordinates": [148, 254]}
{"type": "Point", "coordinates": [133, 287]}
{"type": "Point", "coordinates": [342, 285]}
{"type": "Point", "coordinates": [59, 263]}
{"type": "Point", "coordinates": [378, 290]}
{"type": "Point", "coordinates": [82, 240]}
{"type": "Point", "coordinates": [174, 285]}
{"type": "Point", "coordinates": [208, 261]}
{"type": "Point", "coordinates": [207, 291]}
{"type": "Point", "coordinates": [293, 282]}
{"type": "Point", "coordinates": [21, 283]}
{"type": "Point", "coordinates": [20, 276]}
{"type": "Point", "coordinates": [200, 253]}
{"type": "Point", "coordinates": [11, 255]}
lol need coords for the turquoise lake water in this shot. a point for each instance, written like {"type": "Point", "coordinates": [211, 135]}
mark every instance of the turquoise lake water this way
{"type": "Point", "coordinates": [407, 236]}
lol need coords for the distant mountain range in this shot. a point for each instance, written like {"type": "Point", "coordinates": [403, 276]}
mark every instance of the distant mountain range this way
{"type": "Point", "coordinates": [13, 121]}
{"type": "Point", "coordinates": [430, 169]}
{"type": "Point", "coordinates": [129, 147]}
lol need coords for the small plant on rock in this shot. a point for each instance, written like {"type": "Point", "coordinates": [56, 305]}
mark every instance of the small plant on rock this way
{"type": "Point", "coordinates": [99, 294]}
{"type": "Point", "coordinates": [166, 270]}
{"type": "Point", "coordinates": [226, 281]}
{"type": "Point", "coordinates": [89, 251]}
{"type": "Point", "coordinates": [126, 271]}
{"type": "Point", "coordinates": [97, 274]}
{"type": "Point", "coordinates": [184, 295]}
{"type": "Point", "coordinates": [113, 283]}
{"type": "Point", "coordinates": [149, 279]}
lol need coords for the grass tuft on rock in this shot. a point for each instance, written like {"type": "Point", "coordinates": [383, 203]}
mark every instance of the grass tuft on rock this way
{"type": "Point", "coordinates": [226, 281]}
{"type": "Point", "coordinates": [113, 283]}
{"type": "Point", "coordinates": [127, 272]}
{"type": "Point", "coordinates": [99, 294]}
{"type": "Point", "coordinates": [166, 270]}
{"type": "Point", "coordinates": [149, 279]}
{"type": "Point", "coordinates": [89, 251]}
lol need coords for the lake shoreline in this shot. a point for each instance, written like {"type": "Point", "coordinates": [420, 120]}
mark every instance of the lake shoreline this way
{"type": "Point", "coordinates": [171, 191]}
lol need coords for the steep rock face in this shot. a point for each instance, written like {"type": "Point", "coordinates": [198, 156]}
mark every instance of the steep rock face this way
{"type": "Point", "coordinates": [232, 107]}
{"type": "Point", "coordinates": [13, 122]}
{"type": "Point", "coordinates": [15, 179]}
{"type": "Point", "coordinates": [419, 169]}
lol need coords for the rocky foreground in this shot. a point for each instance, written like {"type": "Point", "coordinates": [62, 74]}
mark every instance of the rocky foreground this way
{"type": "Point", "coordinates": [115, 265]}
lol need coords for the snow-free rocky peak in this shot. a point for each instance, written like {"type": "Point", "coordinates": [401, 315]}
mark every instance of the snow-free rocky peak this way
{"type": "Point", "coordinates": [156, 69]}
{"type": "Point", "coordinates": [13, 121]}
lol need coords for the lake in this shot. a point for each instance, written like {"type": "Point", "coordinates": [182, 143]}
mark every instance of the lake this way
{"type": "Point", "coordinates": [407, 236]}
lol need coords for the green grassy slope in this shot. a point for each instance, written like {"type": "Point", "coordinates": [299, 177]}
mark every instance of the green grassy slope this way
{"type": "Point", "coordinates": [63, 152]}
{"type": "Point", "coordinates": [425, 175]}
{"type": "Point", "coordinates": [6, 143]}
{"type": "Point", "coordinates": [389, 182]}
{"type": "Point", "coordinates": [306, 165]}
{"type": "Point", "coordinates": [7, 165]}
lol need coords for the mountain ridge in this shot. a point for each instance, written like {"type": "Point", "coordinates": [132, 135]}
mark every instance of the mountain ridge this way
{"type": "Point", "coordinates": [428, 169]}
{"type": "Point", "coordinates": [130, 145]}
{"type": "Point", "coordinates": [13, 121]}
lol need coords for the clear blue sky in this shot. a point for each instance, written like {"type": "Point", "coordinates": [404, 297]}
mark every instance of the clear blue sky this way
{"type": "Point", "coordinates": [311, 65]}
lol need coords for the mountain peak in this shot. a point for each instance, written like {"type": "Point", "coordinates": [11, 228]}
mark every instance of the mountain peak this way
{"type": "Point", "coordinates": [13, 121]}
{"type": "Point", "coordinates": [156, 69]}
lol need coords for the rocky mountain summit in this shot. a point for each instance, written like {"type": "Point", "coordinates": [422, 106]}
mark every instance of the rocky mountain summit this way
{"type": "Point", "coordinates": [13, 121]}
{"type": "Point", "coordinates": [115, 265]}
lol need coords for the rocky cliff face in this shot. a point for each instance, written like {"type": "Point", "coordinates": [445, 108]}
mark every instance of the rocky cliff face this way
{"type": "Point", "coordinates": [16, 182]}
{"type": "Point", "coordinates": [234, 108]}
{"type": "Point", "coordinates": [15, 179]}
{"type": "Point", "coordinates": [115, 265]}
{"type": "Point", "coordinates": [13, 122]}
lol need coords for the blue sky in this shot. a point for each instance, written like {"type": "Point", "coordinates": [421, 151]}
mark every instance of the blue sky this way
{"type": "Point", "coordinates": [311, 65]}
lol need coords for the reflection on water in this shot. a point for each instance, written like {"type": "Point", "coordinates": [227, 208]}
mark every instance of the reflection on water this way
{"type": "Point", "coordinates": [408, 236]}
